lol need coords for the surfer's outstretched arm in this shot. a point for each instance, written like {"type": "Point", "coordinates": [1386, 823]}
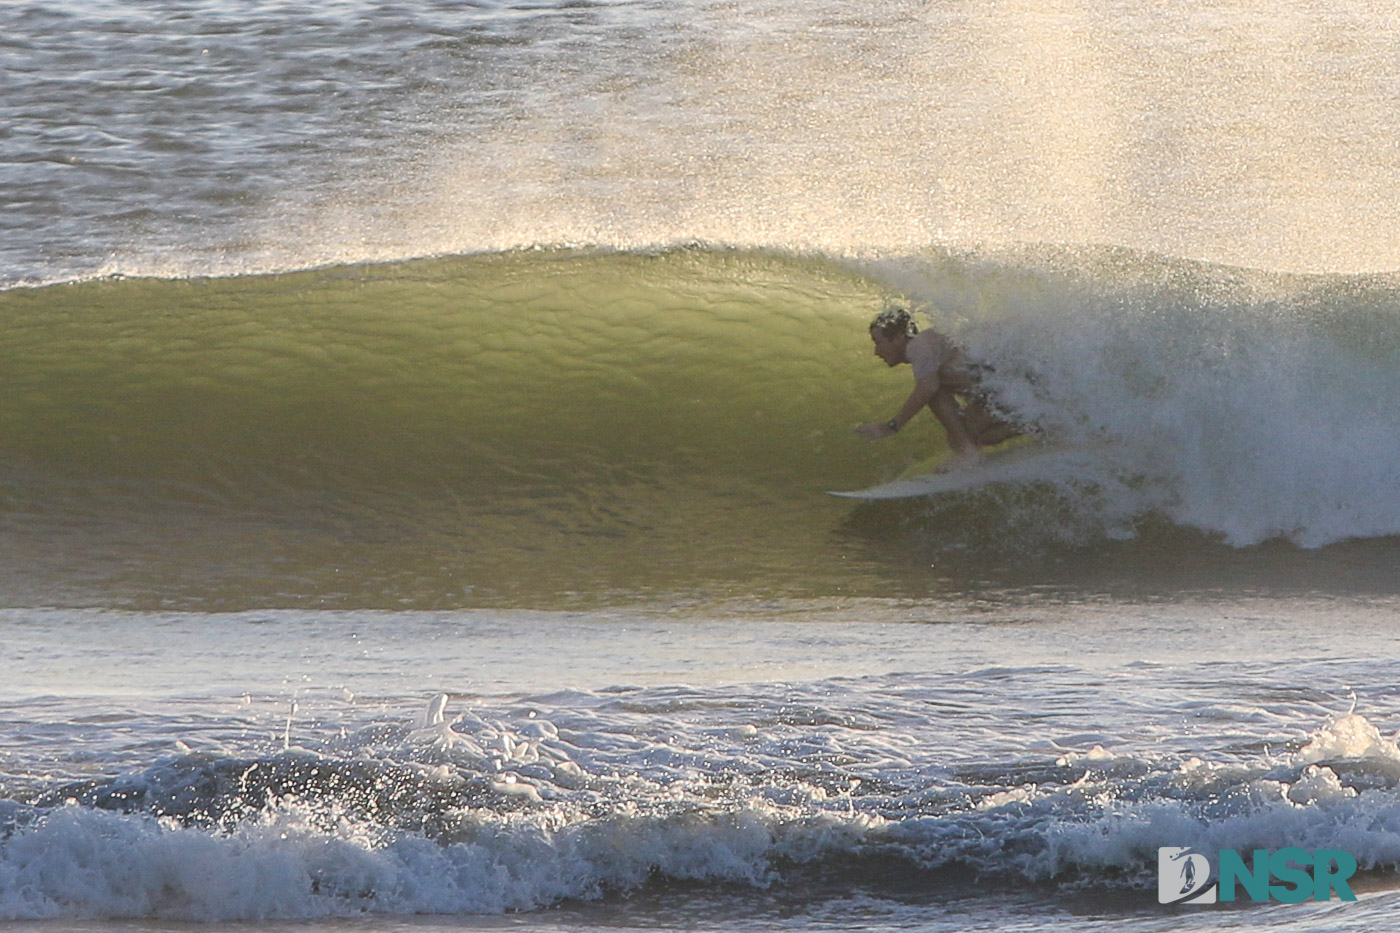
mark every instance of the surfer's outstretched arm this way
{"type": "Point", "coordinates": [922, 395]}
{"type": "Point", "coordinates": [928, 392]}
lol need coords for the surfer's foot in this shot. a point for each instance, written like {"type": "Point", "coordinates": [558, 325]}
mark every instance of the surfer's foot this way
{"type": "Point", "coordinates": [963, 461]}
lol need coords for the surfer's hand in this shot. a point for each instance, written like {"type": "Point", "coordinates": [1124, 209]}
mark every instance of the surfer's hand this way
{"type": "Point", "coordinates": [873, 432]}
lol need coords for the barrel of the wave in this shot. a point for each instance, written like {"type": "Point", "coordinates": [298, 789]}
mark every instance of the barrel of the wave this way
{"type": "Point", "coordinates": [627, 420]}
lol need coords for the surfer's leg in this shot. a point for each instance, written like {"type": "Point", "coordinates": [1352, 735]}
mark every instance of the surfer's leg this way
{"type": "Point", "coordinates": [944, 406]}
{"type": "Point", "coordinates": [986, 429]}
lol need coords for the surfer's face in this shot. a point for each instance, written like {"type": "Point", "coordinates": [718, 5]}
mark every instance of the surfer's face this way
{"type": "Point", "coordinates": [889, 349]}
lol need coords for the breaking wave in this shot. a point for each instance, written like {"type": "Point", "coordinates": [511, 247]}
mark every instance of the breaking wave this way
{"type": "Point", "coordinates": [668, 416]}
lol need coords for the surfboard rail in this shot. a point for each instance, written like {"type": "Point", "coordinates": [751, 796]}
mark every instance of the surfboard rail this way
{"type": "Point", "coordinates": [1024, 464]}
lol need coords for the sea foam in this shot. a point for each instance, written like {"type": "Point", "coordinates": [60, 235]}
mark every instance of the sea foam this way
{"type": "Point", "coordinates": [430, 817]}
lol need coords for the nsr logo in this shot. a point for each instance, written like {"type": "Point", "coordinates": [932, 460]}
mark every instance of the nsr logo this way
{"type": "Point", "coordinates": [1183, 876]}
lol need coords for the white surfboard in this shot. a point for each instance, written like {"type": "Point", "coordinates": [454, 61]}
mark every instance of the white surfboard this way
{"type": "Point", "coordinates": [1024, 464]}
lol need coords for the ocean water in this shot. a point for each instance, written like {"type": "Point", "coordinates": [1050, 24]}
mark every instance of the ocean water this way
{"type": "Point", "coordinates": [416, 419]}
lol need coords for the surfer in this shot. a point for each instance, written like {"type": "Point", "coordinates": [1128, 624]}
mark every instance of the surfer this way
{"type": "Point", "coordinates": [940, 377]}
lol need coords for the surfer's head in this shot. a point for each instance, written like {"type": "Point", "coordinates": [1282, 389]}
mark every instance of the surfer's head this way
{"type": "Point", "coordinates": [893, 322]}
{"type": "Point", "coordinates": [890, 332]}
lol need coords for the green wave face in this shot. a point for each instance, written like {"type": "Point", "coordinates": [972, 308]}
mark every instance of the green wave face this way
{"type": "Point", "coordinates": [512, 428]}
{"type": "Point", "coordinates": [550, 428]}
